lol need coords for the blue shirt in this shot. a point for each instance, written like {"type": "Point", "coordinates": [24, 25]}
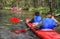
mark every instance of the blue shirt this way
{"type": "Point", "coordinates": [48, 23]}
{"type": "Point", "coordinates": [37, 19]}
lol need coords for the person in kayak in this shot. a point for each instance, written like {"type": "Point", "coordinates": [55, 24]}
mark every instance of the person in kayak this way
{"type": "Point", "coordinates": [36, 19]}
{"type": "Point", "coordinates": [48, 22]}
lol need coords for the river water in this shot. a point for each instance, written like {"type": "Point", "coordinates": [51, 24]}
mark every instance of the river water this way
{"type": "Point", "coordinates": [5, 26]}
{"type": "Point", "coordinates": [6, 34]}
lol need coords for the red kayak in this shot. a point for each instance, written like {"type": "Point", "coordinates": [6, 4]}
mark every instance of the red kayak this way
{"type": "Point", "coordinates": [50, 34]}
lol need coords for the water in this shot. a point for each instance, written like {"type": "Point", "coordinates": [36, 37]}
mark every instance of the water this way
{"type": "Point", "coordinates": [5, 26]}
{"type": "Point", "coordinates": [6, 34]}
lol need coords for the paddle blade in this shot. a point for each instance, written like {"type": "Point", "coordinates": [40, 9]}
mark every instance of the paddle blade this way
{"type": "Point", "coordinates": [14, 20]}
{"type": "Point", "coordinates": [20, 31]}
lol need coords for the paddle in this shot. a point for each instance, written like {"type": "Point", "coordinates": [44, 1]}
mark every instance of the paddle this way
{"type": "Point", "coordinates": [21, 31]}
{"type": "Point", "coordinates": [16, 20]}
{"type": "Point", "coordinates": [24, 30]}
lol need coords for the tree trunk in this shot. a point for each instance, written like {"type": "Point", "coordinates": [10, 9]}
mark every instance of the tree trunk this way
{"type": "Point", "coordinates": [50, 1]}
{"type": "Point", "coordinates": [35, 3]}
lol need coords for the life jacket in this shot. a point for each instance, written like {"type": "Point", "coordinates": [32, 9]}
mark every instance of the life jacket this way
{"type": "Point", "coordinates": [48, 23]}
{"type": "Point", "coordinates": [37, 19]}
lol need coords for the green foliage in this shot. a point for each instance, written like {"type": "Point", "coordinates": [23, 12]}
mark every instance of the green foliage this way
{"type": "Point", "coordinates": [6, 4]}
{"type": "Point", "coordinates": [40, 9]}
{"type": "Point", "coordinates": [56, 11]}
{"type": "Point", "coordinates": [44, 10]}
{"type": "Point", "coordinates": [31, 8]}
{"type": "Point", "coordinates": [9, 1]}
{"type": "Point", "coordinates": [7, 8]}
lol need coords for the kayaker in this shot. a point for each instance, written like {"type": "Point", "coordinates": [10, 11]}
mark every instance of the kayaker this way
{"type": "Point", "coordinates": [36, 19]}
{"type": "Point", "coordinates": [48, 22]}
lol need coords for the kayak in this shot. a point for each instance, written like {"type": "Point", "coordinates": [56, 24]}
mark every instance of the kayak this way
{"type": "Point", "coordinates": [43, 34]}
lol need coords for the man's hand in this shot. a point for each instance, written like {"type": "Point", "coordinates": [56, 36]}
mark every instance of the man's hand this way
{"type": "Point", "coordinates": [54, 19]}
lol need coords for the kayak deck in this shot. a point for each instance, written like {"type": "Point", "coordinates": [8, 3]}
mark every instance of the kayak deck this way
{"type": "Point", "coordinates": [43, 34]}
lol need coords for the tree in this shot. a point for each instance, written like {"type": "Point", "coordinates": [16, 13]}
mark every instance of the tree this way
{"type": "Point", "coordinates": [35, 2]}
{"type": "Point", "coordinates": [50, 1]}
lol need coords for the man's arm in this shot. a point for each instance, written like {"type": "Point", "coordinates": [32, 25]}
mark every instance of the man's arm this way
{"type": "Point", "coordinates": [54, 19]}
